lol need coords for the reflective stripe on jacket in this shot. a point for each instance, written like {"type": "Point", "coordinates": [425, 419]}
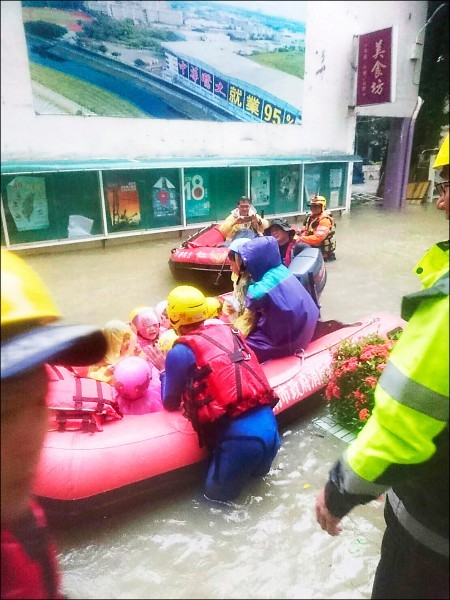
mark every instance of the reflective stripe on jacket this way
{"type": "Point", "coordinates": [404, 444]}
{"type": "Point", "coordinates": [319, 231]}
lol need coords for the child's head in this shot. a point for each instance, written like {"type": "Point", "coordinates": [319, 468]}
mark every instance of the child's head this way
{"type": "Point", "coordinates": [132, 315]}
{"type": "Point", "coordinates": [237, 264]}
{"type": "Point", "coordinates": [214, 307]}
{"type": "Point", "coordinates": [147, 325]}
{"type": "Point", "coordinates": [120, 340]}
{"type": "Point", "coordinates": [166, 340]}
{"type": "Point", "coordinates": [132, 376]}
{"type": "Point", "coordinates": [27, 343]}
{"type": "Point", "coordinates": [161, 311]}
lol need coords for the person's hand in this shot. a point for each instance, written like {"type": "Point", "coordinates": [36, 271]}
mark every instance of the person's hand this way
{"type": "Point", "coordinates": [157, 357]}
{"type": "Point", "coordinates": [230, 306]}
{"type": "Point", "coordinates": [328, 522]}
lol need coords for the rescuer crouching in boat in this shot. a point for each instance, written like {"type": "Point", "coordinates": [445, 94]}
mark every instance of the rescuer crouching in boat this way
{"type": "Point", "coordinates": [212, 373]}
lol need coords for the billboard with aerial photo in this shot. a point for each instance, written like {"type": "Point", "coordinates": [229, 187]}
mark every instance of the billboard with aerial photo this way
{"type": "Point", "coordinates": [194, 60]}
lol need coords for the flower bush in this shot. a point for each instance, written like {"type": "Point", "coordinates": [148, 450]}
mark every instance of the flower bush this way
{"type": "Point", "coordinates": [351, 380]}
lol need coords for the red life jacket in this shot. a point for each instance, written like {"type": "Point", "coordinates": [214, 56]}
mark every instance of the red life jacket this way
{"type": "Point", "coordinates": [228, 379]}
{"type": "Point", "coordinates": [28, 559]}
{"type": "Point", "coordinates": [79, 402]}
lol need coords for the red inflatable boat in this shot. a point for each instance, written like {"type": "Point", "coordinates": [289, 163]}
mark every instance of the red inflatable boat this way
{"type": "Point", "coordinates": [139, 457]}
{"type": "Point", "coordinates": [202, 260]}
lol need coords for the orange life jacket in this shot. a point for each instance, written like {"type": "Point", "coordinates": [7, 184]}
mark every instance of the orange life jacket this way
{"type": "Point", "coordinates": [314, 227]}
{"type": "Point", "coordinates": [228, 379]}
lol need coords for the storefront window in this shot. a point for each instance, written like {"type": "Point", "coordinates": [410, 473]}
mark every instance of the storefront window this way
{"type": "Point", "coordinates": [313, 184]}
{"type": "Point", "coordinates": [276, 190]}
{"type": "Point", "coordinates": [210, 194]}
{"type": "Point", "coordinates": [142, 199]}
{"type": "Point", "coordinates": [326, 179]}
{"type": "Point", "coordinates": [51, 206]}
{"type": "Point", "coordinates": [59, 206]}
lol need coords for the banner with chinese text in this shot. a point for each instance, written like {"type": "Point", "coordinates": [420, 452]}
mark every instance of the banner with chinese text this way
{"type": "Point", "coordinates": [374, 79]}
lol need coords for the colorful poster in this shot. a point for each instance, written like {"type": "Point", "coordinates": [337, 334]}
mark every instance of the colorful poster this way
{"type": "Point", "coordinates": [196, 185]}
{"type": "Point", "coordinates": [27, 203]}
{"type": "Point", "coordinates": [164, 198]}
{"type": "Point", "coordinates": [123, 200]}
{"type": "Point", "coordinates": [241, 61]}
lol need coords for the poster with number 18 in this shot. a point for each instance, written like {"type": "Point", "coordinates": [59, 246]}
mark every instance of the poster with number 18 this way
{"type": "Point", "coordinates": [196, 183]}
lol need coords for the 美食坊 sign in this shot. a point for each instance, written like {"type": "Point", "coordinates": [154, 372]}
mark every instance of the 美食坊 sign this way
{"type": "Point", "coordinates": [374, 79]}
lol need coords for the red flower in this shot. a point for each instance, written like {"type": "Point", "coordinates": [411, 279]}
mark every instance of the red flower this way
{"type": "Point", "coordinates": [364, 415]}
{"type": "Point", "coordinates": [352, 378]}
{"type": "Point", "coordinates": [369, 352]}
{"type": "Point", "coordinates": [359, 395]}
{"type": "Point", "coordinates": [371, 381]}
{"type": "Point", "coordinates": [350, 365]}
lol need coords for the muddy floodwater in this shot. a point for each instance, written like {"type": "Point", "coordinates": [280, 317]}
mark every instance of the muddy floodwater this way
{"type": "Point", "coordinates": [267, 544]}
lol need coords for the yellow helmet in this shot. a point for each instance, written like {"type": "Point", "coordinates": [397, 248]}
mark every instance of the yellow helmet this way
{"type": "Point", "coordinates": [167, 339]}
{"type": "Point", "coordinates": [186, 305]}
{"type": "Point", "coordinates": [213, 305]}
{"type": "Point", "coordinates": [442, 156]}
{"type": "Point", "coordinates": [24, 296]}
{"type": "Point", "coordinates": [319, 200]}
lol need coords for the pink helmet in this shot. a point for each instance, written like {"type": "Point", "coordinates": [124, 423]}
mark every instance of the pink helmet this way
{"type": "Point", "coordinates": [132, 376]}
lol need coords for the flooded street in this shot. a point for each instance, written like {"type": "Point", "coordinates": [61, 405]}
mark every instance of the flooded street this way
{"type": "Point", "coordinates": [268, 544]}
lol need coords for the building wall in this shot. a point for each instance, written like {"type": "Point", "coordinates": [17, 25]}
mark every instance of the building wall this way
{"type": "Point", "coordinates": [328, 124]}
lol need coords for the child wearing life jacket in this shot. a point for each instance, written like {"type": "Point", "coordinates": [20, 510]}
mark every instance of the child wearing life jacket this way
{"type": "Point", "coordinates": [137, 386]}
{"type": "Point", "coordinates": [147, 327]}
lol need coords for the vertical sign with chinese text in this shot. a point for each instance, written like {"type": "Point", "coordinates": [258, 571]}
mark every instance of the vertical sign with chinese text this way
{"type": "Point", "coordinates": [374, 68]}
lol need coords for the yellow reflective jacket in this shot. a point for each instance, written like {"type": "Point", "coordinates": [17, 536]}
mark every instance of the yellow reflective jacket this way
{"type": "Point", "coordinates": [404, 445]}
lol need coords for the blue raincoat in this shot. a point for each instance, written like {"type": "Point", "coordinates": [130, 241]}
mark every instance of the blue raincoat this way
{"type": "Point", "coordinates": [286, 315]}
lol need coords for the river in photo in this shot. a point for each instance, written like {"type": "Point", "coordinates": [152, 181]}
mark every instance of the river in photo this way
{"type": "Point", "coordinates": [113, 81]}
{"type": "Point", "coordinates": [268, 544]}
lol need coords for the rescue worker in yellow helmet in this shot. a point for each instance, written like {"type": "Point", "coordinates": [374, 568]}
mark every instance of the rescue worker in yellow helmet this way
{"type": "Point", "coordinates": [403, 448]}
{"type": "Point", "coordinates": [318, 230]}
{"type": "Point", "coordinates": [228, 405]}
{"type": "Point", "coordinates": [29, 567]}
